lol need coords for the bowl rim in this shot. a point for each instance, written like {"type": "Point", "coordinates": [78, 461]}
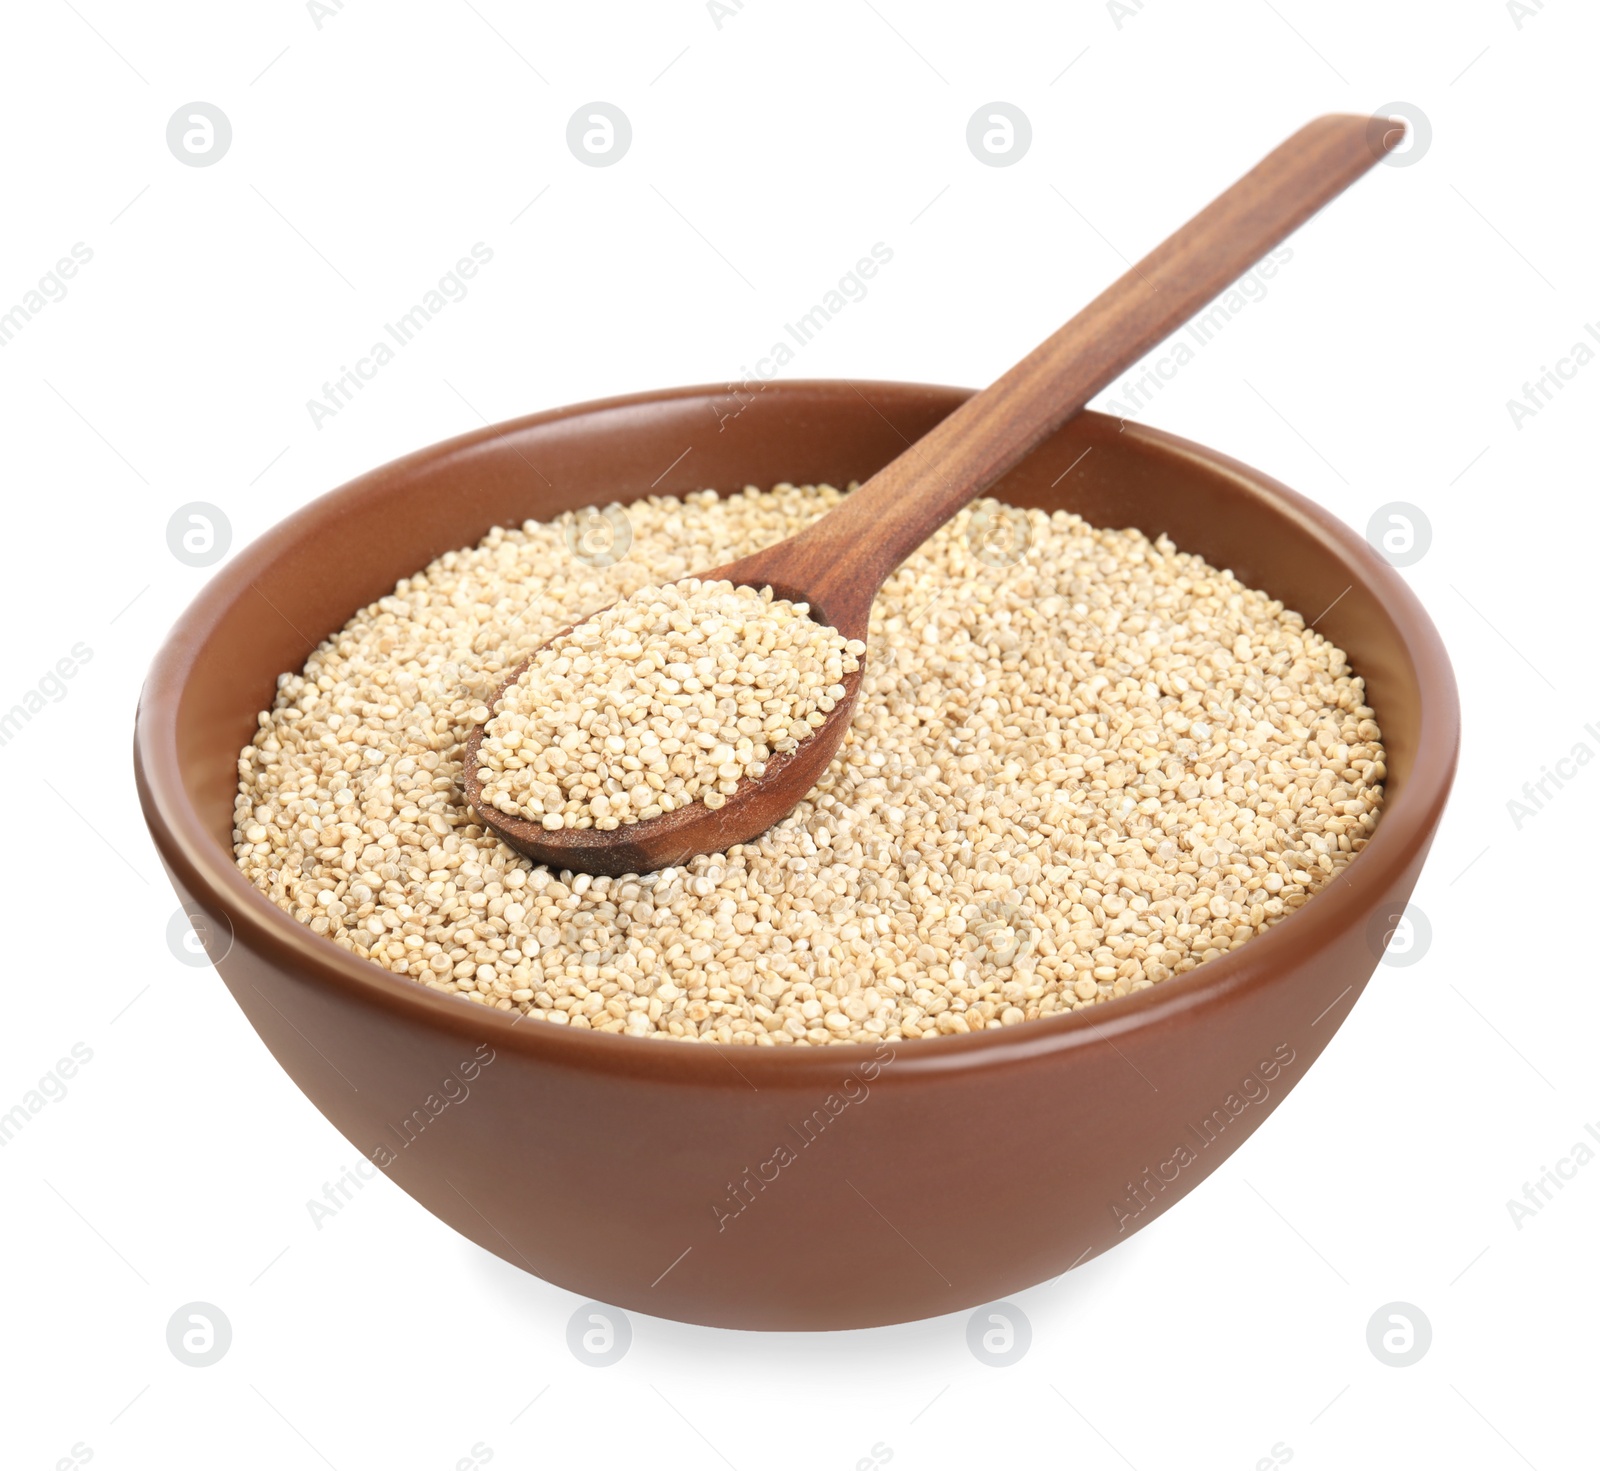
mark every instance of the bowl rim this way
{"type": "Point", "coordinates": [208, 872]}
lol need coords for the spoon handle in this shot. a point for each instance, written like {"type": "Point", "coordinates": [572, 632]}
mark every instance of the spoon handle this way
{"type": "Point", "coordinates": [850, 552]}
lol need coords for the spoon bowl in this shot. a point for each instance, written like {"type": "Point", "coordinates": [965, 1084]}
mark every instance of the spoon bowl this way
{"type": "Point", "coordinates": [669, 839]}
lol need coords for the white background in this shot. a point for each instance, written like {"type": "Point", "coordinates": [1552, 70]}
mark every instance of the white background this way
{"type": "Point", "coordinates": [767, 156]}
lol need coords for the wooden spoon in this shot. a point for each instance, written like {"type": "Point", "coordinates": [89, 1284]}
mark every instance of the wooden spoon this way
{"type": "Point", "coordinates": [838, 563]}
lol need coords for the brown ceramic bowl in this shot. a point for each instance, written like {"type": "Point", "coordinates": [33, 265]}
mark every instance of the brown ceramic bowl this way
{"type": "Point", "coordinates": [778, 1188]}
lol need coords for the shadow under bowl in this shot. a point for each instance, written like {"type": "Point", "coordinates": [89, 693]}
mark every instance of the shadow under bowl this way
{"type": "Point", "coordinates": [784, 1188]}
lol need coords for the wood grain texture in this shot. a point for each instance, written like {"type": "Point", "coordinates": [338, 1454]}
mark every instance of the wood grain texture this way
{"type": "Point", "coordinates": [838, 564]}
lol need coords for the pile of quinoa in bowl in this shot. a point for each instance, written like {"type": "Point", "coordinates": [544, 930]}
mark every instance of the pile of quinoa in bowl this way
{"type": "Point", "coordinates": [1068, 777]}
